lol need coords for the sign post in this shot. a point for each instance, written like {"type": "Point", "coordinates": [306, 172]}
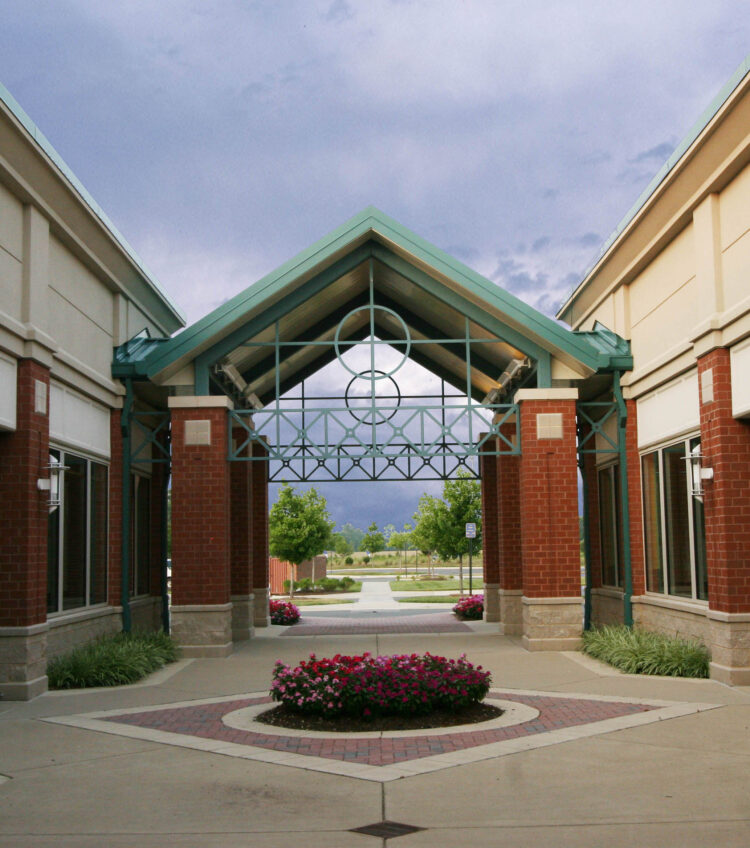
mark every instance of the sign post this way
{"type": "Point", "coordinates": [471, 534]}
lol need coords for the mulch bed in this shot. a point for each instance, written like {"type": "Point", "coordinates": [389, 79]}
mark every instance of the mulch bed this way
{"type": "Point", "coordinates": [282, 716]}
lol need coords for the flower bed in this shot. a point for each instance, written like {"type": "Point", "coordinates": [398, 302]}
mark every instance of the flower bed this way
{"type": "Point", "coordinates": [471, 608]}
{"type": "Point", "coordinates": [283, 612]}
{"type": "Point", "coordinates": [406, 684]}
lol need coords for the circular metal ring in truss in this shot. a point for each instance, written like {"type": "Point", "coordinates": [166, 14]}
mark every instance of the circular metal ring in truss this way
{"type": "Point", "coordinates": [366, 418]}
{"type": "Point", "coordinates": [383, 374]}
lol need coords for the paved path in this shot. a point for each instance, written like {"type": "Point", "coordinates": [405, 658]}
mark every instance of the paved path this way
{"type": "Point", "coordinates": [377, 611]}
{"type": "Point", "coordinates": [574, 776]}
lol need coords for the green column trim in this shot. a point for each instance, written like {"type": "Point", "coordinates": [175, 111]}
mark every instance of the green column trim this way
{"type": "Point", "coordinates": [125, 425]}
{"type": "Point", "coordinates": [622, 419]}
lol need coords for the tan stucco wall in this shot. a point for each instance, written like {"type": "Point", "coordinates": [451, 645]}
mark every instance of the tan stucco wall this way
{"type": "Point", "coordinates": [11, 253]}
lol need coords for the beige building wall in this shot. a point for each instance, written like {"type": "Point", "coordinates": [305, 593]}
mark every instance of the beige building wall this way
{"type": "Point", "coordinates": [676, 282]}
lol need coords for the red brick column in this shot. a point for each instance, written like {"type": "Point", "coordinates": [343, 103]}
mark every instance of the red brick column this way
{"type": "Point", "coordinates": [241, 567]}
{"type": "Point", "coordinates": [552, 609]}
{"type": "Point", "coordinates": [490, 518]}
{"type": "Point", "coordinates": [635, 504]}
{"type": "Point", "coordinates": [24, 455]}
{"type": "Point", "coordinates": [725, 444]}
{"type": "Point", "coordinates": [259, 534]}
{"type": "Point", "coordinates": [509, 538]}
{"type": "Point", "coordinates": [201, 605]}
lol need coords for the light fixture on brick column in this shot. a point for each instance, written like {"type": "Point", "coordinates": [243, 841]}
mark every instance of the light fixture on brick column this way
{"type": "Point", "coordinates": [51, 484]}
{"type": "Point", "coordinates": [697, 473]}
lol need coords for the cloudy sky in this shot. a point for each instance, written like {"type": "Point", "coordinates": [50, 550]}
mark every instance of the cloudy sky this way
{"type": "Point", "coordinates": [223, 137]}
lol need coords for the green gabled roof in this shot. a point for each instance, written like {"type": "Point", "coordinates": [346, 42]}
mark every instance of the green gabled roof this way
{"type": "Point", "coordinates": [383, 237]}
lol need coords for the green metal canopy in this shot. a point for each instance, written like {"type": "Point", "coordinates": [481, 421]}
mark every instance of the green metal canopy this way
{"type": "Point", "coordinates": [371, 277]}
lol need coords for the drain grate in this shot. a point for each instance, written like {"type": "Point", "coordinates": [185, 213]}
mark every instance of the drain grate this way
{"type": "Point", "coordinates": [387, 829]}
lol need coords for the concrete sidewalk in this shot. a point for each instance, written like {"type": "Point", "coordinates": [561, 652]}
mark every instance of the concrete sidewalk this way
{"type": "Point", "coordinates": [682, 781]}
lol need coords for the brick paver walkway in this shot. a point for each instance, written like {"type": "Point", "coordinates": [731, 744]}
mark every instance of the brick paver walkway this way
{"type": "Point", "coordinates": [374, 623]}
{"type": "Point", "coordinates": [205, 721]}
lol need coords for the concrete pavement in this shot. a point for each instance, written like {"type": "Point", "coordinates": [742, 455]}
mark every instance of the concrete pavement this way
{"type": "Point", "coordinates": [682, 781]}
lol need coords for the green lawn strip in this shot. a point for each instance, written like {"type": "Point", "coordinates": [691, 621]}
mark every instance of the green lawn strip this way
{"type": "Point", "coordinates": [640, 652]}
{"type": "Point", "coordinates": [112, 660]}
{"type": "Point", "coordinates": [354, 587]}
{"type": "Point", "coordinates": [315, 602]}
{"type": "Point", "coordinates": [375, 572]}
{"type": "Point", "coordinates": [426, 585]}
{"type": "Point", "coordinates": [430, 599]}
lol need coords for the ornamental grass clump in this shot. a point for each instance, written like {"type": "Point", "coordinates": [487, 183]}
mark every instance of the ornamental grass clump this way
{"type": "Point", "coordinates": [471, 607]}
{"type": "Point", "coordinates": [112, 660]}
{"type": "Point", "coordinates": [367, 686]}
{"type": "Point", "coordinates": [283, 612]}
{"type": "Point", "coordinates": [640, 652]}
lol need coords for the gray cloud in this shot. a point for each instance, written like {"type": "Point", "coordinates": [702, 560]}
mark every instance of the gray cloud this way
{"type": "Point", "coordinates": [657, 154]}
{"type": "Point", "coordinates": [221, 142]}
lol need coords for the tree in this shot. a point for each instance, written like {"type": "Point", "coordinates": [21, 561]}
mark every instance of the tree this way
{"type": "Point", "coordinates": [441, 524]}
{"type": "Point", "coordinates": [373, 539]}
{"type": "Point", "coordinates": [340, 544]}
{"type": "Point", "coordinates": [353, 535]}
{"type": "Point", "coordinates": [401, 541]}
{"type": "Point", "coordinates": [298, 526]}
{"type": "Point", "coordinates": [463, 498]}
{"type": "Point", "coordinates": [388, 532]}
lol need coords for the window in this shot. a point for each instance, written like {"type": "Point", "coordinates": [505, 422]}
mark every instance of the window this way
{"type": "Point", "coordinates": [77, 535]}
{"type": "Point", "coordinates": [609, 525]}
{"type": "Point", "coordinates": [673, 523]}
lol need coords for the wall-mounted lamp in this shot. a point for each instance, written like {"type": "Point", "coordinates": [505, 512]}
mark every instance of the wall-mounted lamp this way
{"type": "Point", "coordinates": [51, 484]}
{"type": "Point", "coordinates": [697, 473]}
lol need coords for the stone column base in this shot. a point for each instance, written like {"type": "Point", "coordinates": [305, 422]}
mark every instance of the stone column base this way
{"type": "Point", "coordinates": [203, 630]}
{"type": "Point", "coordinates": [491, 602]}
{"type": "Point", "coordinates": [552, 624]}
{"type": "Point", "coordinates": [511, 612]}
{"type": "Point", "coordinates": [262, 596]}
{"type": "Point", "coordinates": [243, 612]}
{"type": "Point", "coordinates": [729, 635]}
{"type": "Point", "coordinates": [23, 662]}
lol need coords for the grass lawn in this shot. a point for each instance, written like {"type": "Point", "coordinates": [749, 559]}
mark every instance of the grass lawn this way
{"type": "Point", "coordinates": [314, 602]}
{"type": "Point", "coordinates": [347, 569]}
{"type": "Point", "coordinates": [430, 599]}
{"type": "Point", "coordinates": [426, 585]}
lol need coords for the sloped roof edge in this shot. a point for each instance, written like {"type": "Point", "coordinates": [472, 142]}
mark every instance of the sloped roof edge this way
{"type": "Point", "coordinates": [370, 220]}
{"type": "Point", "coordinates": [661, 175]}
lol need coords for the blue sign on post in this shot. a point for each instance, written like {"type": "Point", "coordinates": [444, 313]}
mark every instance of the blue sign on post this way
{"type": "Point", "coordinates": [471, 531]}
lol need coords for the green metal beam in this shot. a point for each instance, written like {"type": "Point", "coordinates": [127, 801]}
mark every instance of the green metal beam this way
{"type": "Point", "coordinates": [325, 325]}
{"type": "Point", "coordinates": [470, 310]}
{"type": "Point", "coordinates": [426, 329]}
{"type": "Point", "coordinates": [622, 419]}
{"type": "Point", "coordinates": [269, 316]}
{"type": "Point", "coordinates": [327, 355]}
{"type": "Point", "coordinates": [125, 426]}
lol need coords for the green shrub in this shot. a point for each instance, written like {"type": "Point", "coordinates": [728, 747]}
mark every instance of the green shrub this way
{"type": "Point", "coordinates": [640, 652]}
{"type": "Point", "coordinates": [112, 660]}
{"type": "Point", "coordinates": [346, 582]}
{"type": "Point", "coordinates": [303, 585]}
{"type": "Point", "coordinates": [348, 561]}
{"type": "Point", "coordinates": [365, 559]}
